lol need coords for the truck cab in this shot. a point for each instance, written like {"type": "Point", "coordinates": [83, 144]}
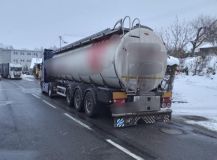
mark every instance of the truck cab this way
{"type": "Point", "coordinates": [11, 71]}
{"type": "Point", "coordinates": [15, 71]}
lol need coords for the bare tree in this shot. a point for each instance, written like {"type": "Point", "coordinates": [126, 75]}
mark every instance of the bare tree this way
{"type": "Point", "coordinates": [212, 33]}
{"type": "Point", "coordinates": [166, 38]}
{"type": "Point", "coordinates": [176, 37]}
{"type": "Point", "coordinates": [202, 30]}
{"type": "Point", "coordinates": [54, 47]}
{"type": "Point", "coordinates": [39, 49]}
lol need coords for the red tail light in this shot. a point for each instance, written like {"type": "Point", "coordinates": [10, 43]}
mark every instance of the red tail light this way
{"type": "Point", "coordinates": [166, 102]}
{"type": "Point", "coordinates": [119, 102]}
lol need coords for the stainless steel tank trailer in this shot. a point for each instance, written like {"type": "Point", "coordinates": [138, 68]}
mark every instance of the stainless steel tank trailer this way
{"type": "Point", "coordinates": [122, 67]}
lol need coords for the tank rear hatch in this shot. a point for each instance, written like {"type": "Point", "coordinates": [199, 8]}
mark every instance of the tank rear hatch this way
{"type": "Point", "coordinates": [140, 60]}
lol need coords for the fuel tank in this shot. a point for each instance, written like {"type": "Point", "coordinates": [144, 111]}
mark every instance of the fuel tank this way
{"type": "Point", "coordinates": [134, 61]}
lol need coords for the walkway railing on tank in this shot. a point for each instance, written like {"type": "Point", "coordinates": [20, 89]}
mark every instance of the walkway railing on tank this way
{"type": "Point", "coordinates": [121, 24]}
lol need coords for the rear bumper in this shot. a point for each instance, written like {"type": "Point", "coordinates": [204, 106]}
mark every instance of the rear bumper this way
{"type": "Point", "coordinates": [131, 119]}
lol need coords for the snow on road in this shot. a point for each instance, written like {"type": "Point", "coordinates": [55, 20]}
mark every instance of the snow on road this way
{"type": "Point", "coordinates": [196, 96]}
{"type": "Point", "coordinates": [28, 77]}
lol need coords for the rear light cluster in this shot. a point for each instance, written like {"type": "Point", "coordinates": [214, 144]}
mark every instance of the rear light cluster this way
{"type": "Point", "coordinates": [119, 98]}
{"type": "Point", "coordinates": [119, 102]}
{"type": "Point", "coordinates": [166, 102]}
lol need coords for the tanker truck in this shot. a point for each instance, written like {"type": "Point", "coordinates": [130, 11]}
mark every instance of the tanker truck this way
{"type": "Point", "coordinates": [120, 67]}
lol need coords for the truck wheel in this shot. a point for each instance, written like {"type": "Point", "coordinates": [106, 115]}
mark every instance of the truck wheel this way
{"type": "Point", "coordinates": [41, 84]}
{"type": "Point", "coordinates": [69, 98]}
{"type": "Point", "coordinates": [78, 100]}
{"type": "Point", "coordinates": [90, 104]}
{"type": "Point", "coordinates": [50, 91]}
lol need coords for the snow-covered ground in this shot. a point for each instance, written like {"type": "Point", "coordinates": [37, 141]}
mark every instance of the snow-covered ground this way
{"type": "Point", "coordinates": [196, 96]}
{"type": "Point", "coordinates": [28, 77]}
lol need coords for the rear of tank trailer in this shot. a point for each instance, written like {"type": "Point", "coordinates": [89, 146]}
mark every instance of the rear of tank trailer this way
{"type": "Point", "coordinates": [121, 67]}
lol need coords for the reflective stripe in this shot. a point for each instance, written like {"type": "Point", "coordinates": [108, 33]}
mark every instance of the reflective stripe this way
{"type": "Point", "coordinates": [119, 95]}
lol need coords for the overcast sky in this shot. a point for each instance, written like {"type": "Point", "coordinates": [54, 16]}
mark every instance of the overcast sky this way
{"type": "Point", "coordinates": [38, 23]}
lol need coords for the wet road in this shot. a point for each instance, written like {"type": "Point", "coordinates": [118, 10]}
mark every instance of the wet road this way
{"type": "Point", "coordinates": [33, 126]}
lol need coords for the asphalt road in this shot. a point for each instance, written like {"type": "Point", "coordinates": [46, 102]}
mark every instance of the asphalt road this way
{"type": "Point", "coordinates": [35, 127]}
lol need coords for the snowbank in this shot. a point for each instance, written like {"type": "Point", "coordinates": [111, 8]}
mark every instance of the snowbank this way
{"type": "Point", "coordinates": [204, 65]}
{"type": "Point", "coordinates": [27, 77]}
{"type": "Point", "coordinates": [172, 61]}
{"type": "Point", "coordinates": [197, 96]}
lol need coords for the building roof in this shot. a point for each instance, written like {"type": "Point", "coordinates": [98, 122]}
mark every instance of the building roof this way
{"type": "Point", "coordinates": [24, 50]}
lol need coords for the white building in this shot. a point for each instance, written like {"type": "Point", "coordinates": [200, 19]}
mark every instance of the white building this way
{"type": "Point", "coordinates": [23, 57]}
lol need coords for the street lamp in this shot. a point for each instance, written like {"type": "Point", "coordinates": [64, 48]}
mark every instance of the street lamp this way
{"type": "Point", "coordinates": [61, 40]}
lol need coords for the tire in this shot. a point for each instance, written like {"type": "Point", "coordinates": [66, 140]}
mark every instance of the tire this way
{"type": "Point", "coordinates": [50, 90]}
{"type": "Point", "coordinates": [69, 98]}
{"type": "Point", "coordinates": [78, 100]}
{"type": "Point", "coordinates": [41, 84]}
{"type": "Point", "coordinates": [90, 104]}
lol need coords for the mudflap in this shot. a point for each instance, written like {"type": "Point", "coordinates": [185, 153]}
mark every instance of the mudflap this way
{"type": "Point", "coordinates": [126, 120]}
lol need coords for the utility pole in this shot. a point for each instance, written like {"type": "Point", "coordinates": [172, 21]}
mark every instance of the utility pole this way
{"type": "Point", "coordinates": [61, 40]}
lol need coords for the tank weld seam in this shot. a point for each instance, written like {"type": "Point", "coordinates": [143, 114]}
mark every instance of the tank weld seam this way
{"type": "Point", "coordinates": [140, 77]}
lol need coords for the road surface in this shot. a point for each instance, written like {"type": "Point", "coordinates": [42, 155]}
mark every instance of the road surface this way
{"type": "Point", "coordinates": [35, 127]}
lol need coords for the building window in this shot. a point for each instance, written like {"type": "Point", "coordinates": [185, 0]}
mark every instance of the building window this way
{"type": "Point", "coordinates": [22, 53]}
{"type": "Point", "coordinates": [29, 54]}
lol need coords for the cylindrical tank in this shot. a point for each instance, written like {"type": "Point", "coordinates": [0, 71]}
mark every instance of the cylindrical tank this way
{"type": "Point", "coordinates": [135, 61]}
